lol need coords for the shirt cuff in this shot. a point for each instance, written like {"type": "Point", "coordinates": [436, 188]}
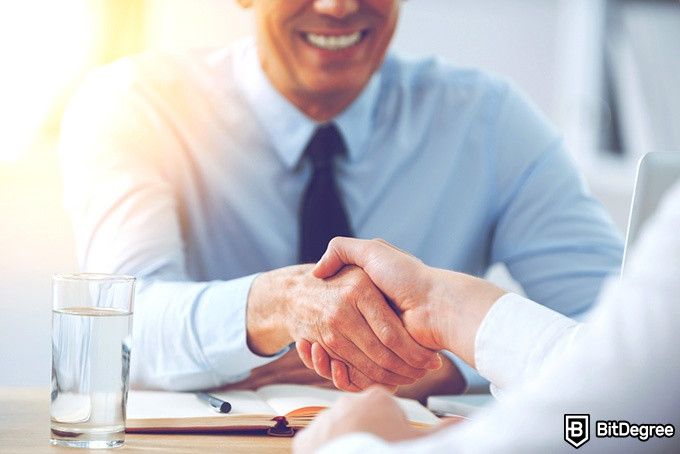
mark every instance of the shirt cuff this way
{"type": "Point", "coordinates": [359, 443]}
{"type": "Point", "coordinates": [515, 338]}
{"type": "Point", "coordinates": [221, 328]}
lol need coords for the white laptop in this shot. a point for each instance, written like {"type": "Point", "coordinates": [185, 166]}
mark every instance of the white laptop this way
{"type": "Point", "coordinates": [657, 171]}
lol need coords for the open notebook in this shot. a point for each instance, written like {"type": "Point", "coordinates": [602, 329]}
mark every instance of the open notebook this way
{"type": "Point", "coordinates": [158, 411]}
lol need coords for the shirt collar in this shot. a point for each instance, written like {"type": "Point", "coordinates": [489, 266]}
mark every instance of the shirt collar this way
{"type": "Point", "coordinates": [356, 121]}
{"type": "Point", "coordinates": [289, 129]}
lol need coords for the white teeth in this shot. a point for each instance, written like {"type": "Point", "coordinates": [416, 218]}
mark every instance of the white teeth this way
{"type": "Point", "coordinates": [335, 42]}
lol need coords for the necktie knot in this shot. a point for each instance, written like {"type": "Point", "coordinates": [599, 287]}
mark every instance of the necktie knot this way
{"type": "Point", "coordinates": [324, 145]}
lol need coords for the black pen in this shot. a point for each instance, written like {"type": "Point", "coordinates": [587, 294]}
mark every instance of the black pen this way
{"type": "Point", "coordinates": [219, 405]}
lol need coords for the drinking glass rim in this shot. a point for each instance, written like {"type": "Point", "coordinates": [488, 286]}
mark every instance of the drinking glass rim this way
{"type": "Point", "coordinates": [93, 277]}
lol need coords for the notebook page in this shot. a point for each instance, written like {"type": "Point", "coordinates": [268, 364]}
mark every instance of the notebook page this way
{"type": "Point", "coordinates": [286, 398]}
{"type": "Point", "coordinates": [170, 405]}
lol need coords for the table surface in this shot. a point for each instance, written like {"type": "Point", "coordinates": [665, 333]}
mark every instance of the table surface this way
{"type": "Point", "coordinates": [25, 428]}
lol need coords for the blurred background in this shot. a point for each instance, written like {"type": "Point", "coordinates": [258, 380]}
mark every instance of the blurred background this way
{"type": "Point", "coordinates": [605, 72]}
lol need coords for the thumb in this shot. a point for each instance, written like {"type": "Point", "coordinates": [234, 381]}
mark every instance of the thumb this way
{"type": "Point", "coordinates": [341, 251]}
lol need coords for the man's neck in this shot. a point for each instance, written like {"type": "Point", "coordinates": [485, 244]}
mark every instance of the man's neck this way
{"type": "Point", "coordinates": [324, 111]}
{"type": "Point", "coordinates": [321, 106]}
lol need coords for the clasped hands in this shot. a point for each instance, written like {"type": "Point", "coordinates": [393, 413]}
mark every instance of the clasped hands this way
{"type": "Point", "coordinates": [366, 313]}
{"type": "Point", "coordinates": [400, 281]}
{"type": "Point", "coordinates": [343, 324]}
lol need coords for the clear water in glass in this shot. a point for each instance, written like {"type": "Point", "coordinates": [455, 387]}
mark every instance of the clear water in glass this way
{"type": "Point", "coordinates": [90, 370]}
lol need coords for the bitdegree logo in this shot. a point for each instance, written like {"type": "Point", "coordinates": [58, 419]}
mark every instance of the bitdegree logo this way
{"type": "Point", "coordinates": [577, 430]}
{"type": "Point", "coordinates": [624, 429]}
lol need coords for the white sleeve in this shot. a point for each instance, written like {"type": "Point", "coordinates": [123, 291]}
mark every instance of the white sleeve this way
{"type": "Point", "coordinates": [515, 339]}
{"type": "Point", "coordinates": [513, 342]}
{"type": "Point", "coordinates": [620, 365]}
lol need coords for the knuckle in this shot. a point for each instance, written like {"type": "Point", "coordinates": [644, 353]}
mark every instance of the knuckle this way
{"type": "Point", "coordinates": [376, 243]}
{"type": "Point", "coordinates": [390, 338]}
{"type": "Point", "coordinates": [334, 316]}
{"type": "Point", "coordinates": [335, 242]}
{"type": "Point", "coordinates": [333, 323]}
{"type": "Point", "coordinates": [350, 295]}
{"type": "Point", "coordinates": [333, 341]}
{"type": "Point", "coordinates": [347, 292]}
{"type": "Point", "coordinates": [358, 277]}
{"type": "Point", "coordinates": [375, 247]}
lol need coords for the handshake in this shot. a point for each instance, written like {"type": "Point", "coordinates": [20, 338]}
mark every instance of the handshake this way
{"type": "Point", "coordinates": [368, 313]}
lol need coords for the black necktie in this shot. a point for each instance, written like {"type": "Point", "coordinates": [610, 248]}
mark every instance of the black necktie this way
{"type": "Point", "coordinates": [322, 215]}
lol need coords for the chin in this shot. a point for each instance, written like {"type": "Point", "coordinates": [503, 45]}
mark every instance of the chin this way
{"type": "Point", "coordinates": [341, 85]}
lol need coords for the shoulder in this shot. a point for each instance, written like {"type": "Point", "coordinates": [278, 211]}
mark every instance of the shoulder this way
{"type": "Point", "coordinates": [162, 78]}
{"type": "Point", "coordinates": [146, 100]}
{"type": "Point", "coordinates": [507, 113]}
{"type": "Point", "coordinates": [463, 101]}
{"type": "Point", "coordinates": [510, 130]}
{"type": "Point", "coordinates": [443, 80]}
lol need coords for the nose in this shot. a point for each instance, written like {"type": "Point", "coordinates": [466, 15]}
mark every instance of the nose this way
{"type": "Point", "coordinates": [336, 8]}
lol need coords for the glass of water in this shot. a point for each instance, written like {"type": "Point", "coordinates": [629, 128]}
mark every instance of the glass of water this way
{"type": "Point", "coordinates": [91, 331]}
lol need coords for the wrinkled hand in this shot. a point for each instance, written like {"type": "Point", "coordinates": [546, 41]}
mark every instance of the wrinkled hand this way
{"type": "Point", "coordinates": [439, 309]}
{"type": "Point", "coordinates": [350, 319]}
{"type": "Point", "coordinates": [373, 411]}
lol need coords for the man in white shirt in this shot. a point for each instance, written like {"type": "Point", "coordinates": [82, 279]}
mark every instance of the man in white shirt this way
{"type": "Point", "coordinates": [621, 364]}
{"type": "Point", "coordinates": [199, 174]}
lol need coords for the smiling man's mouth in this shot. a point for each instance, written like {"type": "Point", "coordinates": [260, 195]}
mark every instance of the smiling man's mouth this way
{"type": "Point", "coordinates": [333, 42]}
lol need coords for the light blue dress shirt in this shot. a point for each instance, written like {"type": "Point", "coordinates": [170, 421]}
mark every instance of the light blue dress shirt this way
{"type": "Point", "coordinates": [187, 172]}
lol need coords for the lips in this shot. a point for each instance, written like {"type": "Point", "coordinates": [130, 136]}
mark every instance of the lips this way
{"type": "Point", "coordinates": [334, 42]}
